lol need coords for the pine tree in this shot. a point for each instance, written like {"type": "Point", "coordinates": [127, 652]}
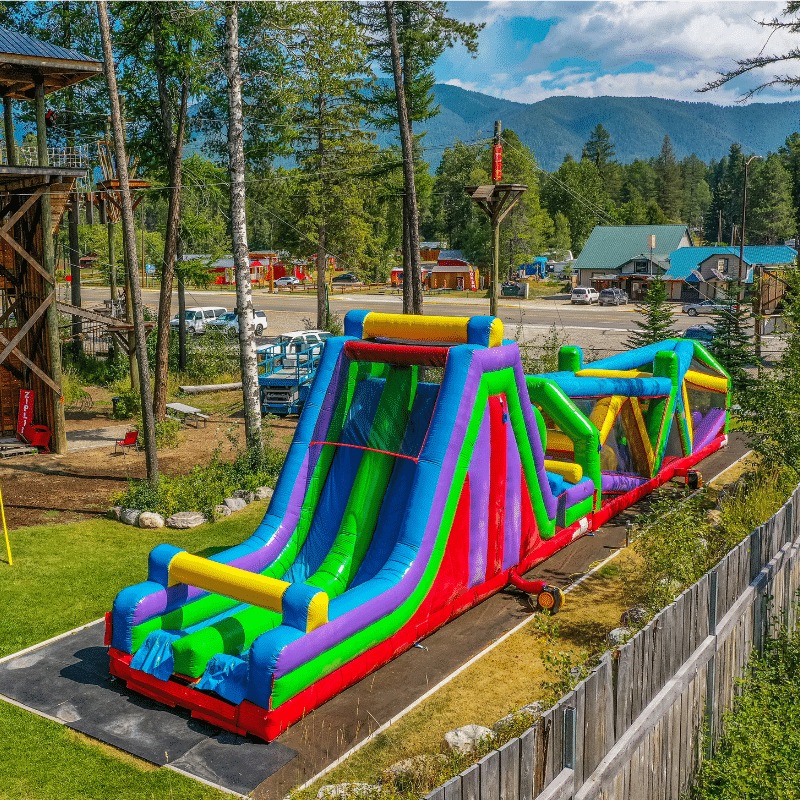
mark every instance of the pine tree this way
{"type": "Point", "coordinates": [668, 181]}
{"type": "Point", "coordinates": [770, 406]}
{"type": "Point", "coordinates": [732, 344]}
{"type": "Point", "coordinates": [659, 320]}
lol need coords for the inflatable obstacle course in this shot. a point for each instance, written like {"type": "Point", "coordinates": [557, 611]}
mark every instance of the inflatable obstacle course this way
{"type": "Point", "coordinates": [426, 473]}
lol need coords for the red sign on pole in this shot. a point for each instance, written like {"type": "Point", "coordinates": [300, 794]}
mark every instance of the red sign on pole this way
{"type": "Point", "coordinates": [497, 166]}
{"type": "Point", "coordinates": [25, 416]}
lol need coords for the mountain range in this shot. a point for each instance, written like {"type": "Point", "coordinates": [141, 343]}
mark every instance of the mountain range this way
{"type": "Point", "coordinates": [554, 127]}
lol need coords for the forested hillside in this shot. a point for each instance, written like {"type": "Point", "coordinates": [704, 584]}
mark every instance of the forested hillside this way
{"type": "Point", "coordinates": [560, 125]}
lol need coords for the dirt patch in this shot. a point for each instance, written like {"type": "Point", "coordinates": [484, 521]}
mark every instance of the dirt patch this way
{"type": "Point", "coordinates": [49, 489]}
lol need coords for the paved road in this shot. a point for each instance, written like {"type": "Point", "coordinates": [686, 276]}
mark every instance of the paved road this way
{"type": "Point", "coordinates": [599, 329]}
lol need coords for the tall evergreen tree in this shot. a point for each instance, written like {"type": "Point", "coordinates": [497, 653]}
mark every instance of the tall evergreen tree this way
{"type": "Point", "coordinates": [408, 38]}
{"type": "Point", "coordinates": [696, 193]}
{"type": "Point", "coordinates": [332, 149]}
{"type": "Point", "coordinates": [790, 153]}
{"type": "Point", "coordinates": [658, 322]}
{"type": "Point", "coordinates": [770, 214]}
{"type": "Point", "coordinates": [578, 192]}
{"type": "Point", "coordinates": [668, 181]}
{"type": "Point", "coordinates": [732, 344]}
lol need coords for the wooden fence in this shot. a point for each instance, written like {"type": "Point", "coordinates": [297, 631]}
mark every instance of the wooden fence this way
{"type": "Point", "coordinates": [642, 721]}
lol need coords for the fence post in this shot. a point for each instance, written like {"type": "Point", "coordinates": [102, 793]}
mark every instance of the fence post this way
{"type": "Point", "coordinates": [711, 668]}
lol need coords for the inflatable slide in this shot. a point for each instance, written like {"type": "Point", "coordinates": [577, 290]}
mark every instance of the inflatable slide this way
{"type": "Point", "coordinates": [426, 473]}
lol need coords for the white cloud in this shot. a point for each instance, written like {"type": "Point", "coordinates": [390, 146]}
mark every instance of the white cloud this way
{"type": "Point", "coordinates": [685, 45]}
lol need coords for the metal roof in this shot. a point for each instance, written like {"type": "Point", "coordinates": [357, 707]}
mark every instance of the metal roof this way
{"type": "Point", "coordinates": [20, 44]}
{"type": "Point", "coordinates": [23, 59]}
{"type": "Point", "coordinates": [685, 260]}
{"type": "Point", "coordinates": [452, 255]}
{"type": "Point", "coordinates": [611, 246]}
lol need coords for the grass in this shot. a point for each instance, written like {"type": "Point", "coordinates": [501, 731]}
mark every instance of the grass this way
{"type": "Point", "coordinates": [62, 577]}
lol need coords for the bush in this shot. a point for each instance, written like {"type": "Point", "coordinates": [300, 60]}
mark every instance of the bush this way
{"type": "Point", "coordinates": [758, 754]}
{"type": "Point", "coordinates": [205, 486]}
{"type": "Point", "coordinates": [678, 543]}
{"type": "Point", "coordinates": [127, 405]}
{"type": "Point", "coordinates": [92, 371]}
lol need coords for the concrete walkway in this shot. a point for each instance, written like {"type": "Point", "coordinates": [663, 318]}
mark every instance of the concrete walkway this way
{"type": "Point", "coordinates": [95, 437]}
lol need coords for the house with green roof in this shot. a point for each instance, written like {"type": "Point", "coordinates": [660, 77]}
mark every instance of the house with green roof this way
{"type": "Point", "coordinates": [629, 256]}
{"type": "Point", "coordinates": [699, 273]}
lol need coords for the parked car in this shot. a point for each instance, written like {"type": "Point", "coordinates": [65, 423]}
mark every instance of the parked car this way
{"type": "Point", "coordinates": [709, 307]}
{"type": "Point", "coordinates": [198, 317]}
{"type": "Point", "coordinates": [287, 280]}
{"type": "Point", "coordinates": [700, 333]}
{"type": "Point", "coordinates": [229, 323]}
{"type": "Point", "coordinates": [613, 297]}
{"type": "Point", "coordinates": [580, 294]}
{"type": "Point", "coordinates": [346, 277]}
{"type": "Point", "coordinates": [291, 344]}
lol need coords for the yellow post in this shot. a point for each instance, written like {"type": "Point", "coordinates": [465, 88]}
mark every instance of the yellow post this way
{"type": "Point", "coordinates": [5, 529]}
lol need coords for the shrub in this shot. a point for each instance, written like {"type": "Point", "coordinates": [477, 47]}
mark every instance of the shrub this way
{"type": "Point", "coordinates": [127, 405]}
{"type": "Point", "coordinates": [757, 756]}
{"type": "Point", "coordinates": [205, 486]}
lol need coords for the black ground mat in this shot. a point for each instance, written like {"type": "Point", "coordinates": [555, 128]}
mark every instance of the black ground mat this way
{"type": "Point", "coordinates": [68, 679]}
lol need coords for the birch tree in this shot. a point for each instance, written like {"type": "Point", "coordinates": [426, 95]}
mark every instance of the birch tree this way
{"type": "Point", "coordinates": [241, 252]}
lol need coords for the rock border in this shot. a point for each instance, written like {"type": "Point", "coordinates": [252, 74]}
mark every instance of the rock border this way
{"type": "Point", "coordinates": [182, 520]}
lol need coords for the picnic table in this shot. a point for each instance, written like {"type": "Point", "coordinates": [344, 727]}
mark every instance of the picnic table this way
{"type": "Point", "coordinates": [185, 413]}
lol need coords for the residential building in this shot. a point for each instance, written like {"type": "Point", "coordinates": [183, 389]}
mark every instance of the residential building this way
{"type": "Point", "coordinates": [628, 256]}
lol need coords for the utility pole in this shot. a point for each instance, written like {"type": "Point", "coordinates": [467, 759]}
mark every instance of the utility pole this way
{"type": "Point", "coordinates": [758, 305]}
{"type": "Point", "coordinates": [496, 200]}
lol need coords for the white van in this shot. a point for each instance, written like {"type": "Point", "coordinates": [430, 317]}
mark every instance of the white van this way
{"type": "Point", "coordinates": [197, 317]}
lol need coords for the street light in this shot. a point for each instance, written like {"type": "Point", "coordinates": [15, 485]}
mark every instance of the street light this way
{"type": "Point", "coordinates": [742, 270]}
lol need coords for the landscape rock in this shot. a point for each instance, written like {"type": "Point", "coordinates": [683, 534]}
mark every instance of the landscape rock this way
{"type": "Point", "coordinates": [115, 512]}
{"type": "Point", "coordinates": [618, 636]}
{"type": "Point", "coordinates": [634, 616]}
{"type": "Point", "coordinates": [221, 511]}
{"type": "Point", "coordinates": [467, 738]}
{"type": "Point", "coordinates": [535, 709]}
{"type": "Point", "coordinates": [347, 790]}
{"type": "Point", "coordinates": [234, 503]}
{"type": "Point", "coordinates": [415, 770]}
{"type": "Point", "coordinates": [186, 519]}
{"type": "Point", "coordinates": [263, 493]}
{"type": "Point", "coordinates": [130, 516]}
{"type": "Point", "coordinates": [149, 519]}
{"type": "Point", "coordinates": [714, 518]}
{"type": "Point", "coordinates": [244, 494]}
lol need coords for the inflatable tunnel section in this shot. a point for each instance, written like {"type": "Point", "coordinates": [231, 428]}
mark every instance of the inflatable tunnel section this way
{"type": "Point", "coordinates": [426, 473]}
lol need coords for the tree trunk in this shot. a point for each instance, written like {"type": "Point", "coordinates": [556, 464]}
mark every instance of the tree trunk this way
{"type": "Point", "coordinates": [241, 253]}
{"type": "Point", "coordinates": [181, 313]}
{"type": "Point", "coordinates": [322, 256]}
{"type": "Point", "coordinates": [411, 197]}
{"type": "Point", "coordinates": [75, 272]}
{"type": "Point", "coordinates": [174, 146]}
{"type": "Point", "coordinates": [151, 456]}
{"type": "Point", "coordinates": [407, 146]}
{"type": "Point", "coordinates": [408, 289]}
{"type": "Point", "coordinates": [322, 279]}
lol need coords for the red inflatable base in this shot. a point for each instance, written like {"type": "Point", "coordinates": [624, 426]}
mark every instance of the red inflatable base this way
{"type": "Point", "coordinates": [268, 724]}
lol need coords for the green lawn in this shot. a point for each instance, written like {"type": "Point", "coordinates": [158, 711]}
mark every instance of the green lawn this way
{"type": "Point", "coordinates": [62, 577]}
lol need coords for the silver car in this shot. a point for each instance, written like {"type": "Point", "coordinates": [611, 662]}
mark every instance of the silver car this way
{"type": "Point", "coordinates": [709, 307]}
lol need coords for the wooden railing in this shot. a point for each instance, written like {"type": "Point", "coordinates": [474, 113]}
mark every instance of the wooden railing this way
{"type": "Point", "coordinates": [643, 720]}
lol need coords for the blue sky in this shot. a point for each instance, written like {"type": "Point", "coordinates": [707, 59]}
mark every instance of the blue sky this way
{"type": "Point", "coordinates": [532, 50]}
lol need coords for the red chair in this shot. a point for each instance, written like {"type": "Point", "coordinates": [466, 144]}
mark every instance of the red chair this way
{"type": "Point", "coordinates": [37, 435]}
{"type": "Point", "coordinates": [131, 440]}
